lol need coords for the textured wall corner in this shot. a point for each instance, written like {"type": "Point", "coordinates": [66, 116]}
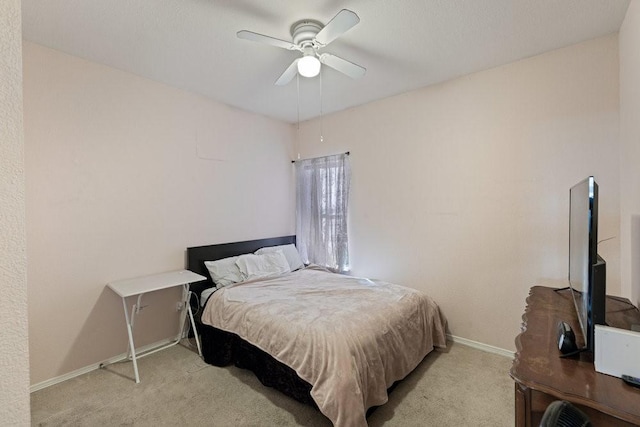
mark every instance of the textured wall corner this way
{"type": "Point", "coordinates": [14, 351]}
{"type": "Point", "coordinates": [630, 152]}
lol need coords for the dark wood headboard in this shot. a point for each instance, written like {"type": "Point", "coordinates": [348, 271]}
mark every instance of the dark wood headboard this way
{"type": "Point", "coordinates": [197, 255]}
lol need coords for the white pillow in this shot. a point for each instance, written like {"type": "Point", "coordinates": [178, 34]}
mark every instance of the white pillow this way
{"type": "Point", "coordinates": [290, 253]}
{"type": "Point", "coordinates": [265, 265]}
{"type": "Point", "coordinates": [224, 272]}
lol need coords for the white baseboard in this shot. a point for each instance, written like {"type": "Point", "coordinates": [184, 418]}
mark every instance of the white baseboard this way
{"type": "Point", "coordinates": [86, 369]}
{"type": "Point", "coordinates": [481, 346]}
{"type": "Point", "coordinates": [44, 384]}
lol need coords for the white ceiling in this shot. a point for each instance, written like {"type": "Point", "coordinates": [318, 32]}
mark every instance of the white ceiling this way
{"type": "Point", "coordinates": [404, 44]}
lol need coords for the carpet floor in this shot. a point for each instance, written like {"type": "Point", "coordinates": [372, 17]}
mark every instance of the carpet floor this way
{"type": "Point", "coordinates": [459, 386]}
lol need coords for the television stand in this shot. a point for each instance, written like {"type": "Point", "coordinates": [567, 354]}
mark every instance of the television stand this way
{"type": "Point", "coordinates": [542, 377]}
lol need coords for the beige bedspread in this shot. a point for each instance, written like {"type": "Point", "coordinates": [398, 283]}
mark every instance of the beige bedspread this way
{"type": "Point", "coordinates": [350, 338]}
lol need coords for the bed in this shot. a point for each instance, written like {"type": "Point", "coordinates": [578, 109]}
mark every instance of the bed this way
{"type": "Point", "coordinates": [332, 341]}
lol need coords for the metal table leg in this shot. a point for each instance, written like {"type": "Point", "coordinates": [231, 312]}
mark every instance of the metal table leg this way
{"type": "Point", "coordinates": [132, 348]}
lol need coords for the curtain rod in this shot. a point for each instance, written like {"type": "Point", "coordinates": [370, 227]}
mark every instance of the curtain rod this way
{"type": "Point", "coordinates": [346, 152]}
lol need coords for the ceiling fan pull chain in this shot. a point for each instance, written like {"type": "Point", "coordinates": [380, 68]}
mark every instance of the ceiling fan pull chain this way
{"type": "Point", "coordinates": [321, 119]}
{"type": "Point", "coordinates": [298, 106]}
{"type": "Point", "coordinates": [298, 99]}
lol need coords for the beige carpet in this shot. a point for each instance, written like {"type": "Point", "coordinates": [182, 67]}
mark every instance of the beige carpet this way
{"type": "Point", "coordinates": [461, 386]}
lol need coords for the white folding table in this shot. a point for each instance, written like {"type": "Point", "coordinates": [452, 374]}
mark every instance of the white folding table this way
{"type": "Point", "coordinates": [141, 285]}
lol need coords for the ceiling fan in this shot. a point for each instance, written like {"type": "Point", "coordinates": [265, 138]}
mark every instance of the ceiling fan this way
{"type": "Point", "coordinates": [308, 36]}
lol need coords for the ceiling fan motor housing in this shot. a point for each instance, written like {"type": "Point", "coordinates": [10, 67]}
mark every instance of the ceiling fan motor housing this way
{"type": "Point", "coordinates": [303, 32]}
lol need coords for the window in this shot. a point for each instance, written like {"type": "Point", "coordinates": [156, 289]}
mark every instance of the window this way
{"type": "Point", "coordinates": [322, 196]}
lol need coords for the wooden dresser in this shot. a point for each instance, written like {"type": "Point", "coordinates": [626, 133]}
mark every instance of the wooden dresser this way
{"type": "Point", "coordinates": [541, 376]}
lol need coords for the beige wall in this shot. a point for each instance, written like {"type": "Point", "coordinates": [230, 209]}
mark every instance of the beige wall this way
{"type": "Point", "coordinates": [630, 151]}
{"type": "Point", "coordinates": [461, 189]}
{"type": "Point", "coordinates": [14, 351]}
{"type": "Point", "coordinates": [122, 175]}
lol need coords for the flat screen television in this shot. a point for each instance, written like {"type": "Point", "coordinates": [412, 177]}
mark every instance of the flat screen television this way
{"type": "Point", "coordinates": [587, 270]}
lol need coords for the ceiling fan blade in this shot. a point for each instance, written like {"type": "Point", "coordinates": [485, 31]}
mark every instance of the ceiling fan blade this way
{"type": "Point", "coordinates": [340, 24]}
{"type": "Point", "coordinates": [261, 38]}
{"type": "Point", "coordinates": [288, 74]}
{"type": "Point", "coordinates": [349, 68]}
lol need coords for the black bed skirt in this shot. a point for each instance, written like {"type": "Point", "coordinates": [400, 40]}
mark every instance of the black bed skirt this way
{"type": "Point", "coordinates": [221, 348]}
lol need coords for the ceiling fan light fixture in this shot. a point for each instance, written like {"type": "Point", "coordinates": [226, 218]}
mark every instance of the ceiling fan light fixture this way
{"type": "Point", "coordinates": [309, 66]}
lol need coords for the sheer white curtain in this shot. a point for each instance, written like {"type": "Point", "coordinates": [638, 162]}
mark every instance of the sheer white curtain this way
{"type": "Point", "coordinates": [322, 198]}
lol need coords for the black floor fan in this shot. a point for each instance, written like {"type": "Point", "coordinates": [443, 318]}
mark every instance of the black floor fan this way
{"type": "Point", "coordinates": [563, 414]}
